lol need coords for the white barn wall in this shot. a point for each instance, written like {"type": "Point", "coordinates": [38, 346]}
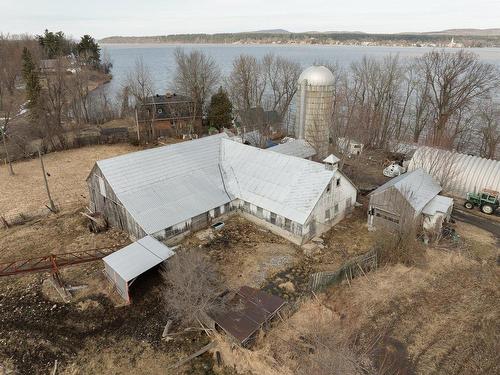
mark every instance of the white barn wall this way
{"type": "Point", "coordinates": [339, 195]}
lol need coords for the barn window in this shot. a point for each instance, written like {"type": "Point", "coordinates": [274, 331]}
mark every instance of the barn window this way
{"type": "Point", "coordinates": [102, 186]}
{"type": "Point", "coordinates": [327, 214]}
{"type": "Point", "coordinates": [336, 208]}
{"type": "Point", "coordinates": [288, 224]}
{"type": "Point", "coordinates": [338, 181]}
{"type": "Point", "coordinates": [273, 218]}
{"type": "Point", "coordinates": [328, 188]}
{"type": "Point", "coordinates": [260, 212]}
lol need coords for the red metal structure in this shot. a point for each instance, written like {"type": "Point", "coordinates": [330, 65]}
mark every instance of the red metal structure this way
{"type": "Point", "coordinates": [53, 262]}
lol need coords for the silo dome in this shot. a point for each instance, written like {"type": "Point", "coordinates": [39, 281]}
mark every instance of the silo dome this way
{"type": "Point", "coordinates": [317, 76]}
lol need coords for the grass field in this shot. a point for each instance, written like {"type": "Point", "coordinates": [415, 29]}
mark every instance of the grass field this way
{"type": "Point", "coordinates": [68, 170]}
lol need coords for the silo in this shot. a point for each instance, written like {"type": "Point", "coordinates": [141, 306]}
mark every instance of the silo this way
{"type": "Point", "coordinates": [314, 107]}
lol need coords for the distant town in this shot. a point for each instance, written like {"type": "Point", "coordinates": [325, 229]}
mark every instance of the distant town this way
{"type": "Point", "coordinates": [456, 38]}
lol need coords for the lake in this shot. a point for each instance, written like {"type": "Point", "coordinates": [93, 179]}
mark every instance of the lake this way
{"type": "Point", "coordinates": [159, 58]}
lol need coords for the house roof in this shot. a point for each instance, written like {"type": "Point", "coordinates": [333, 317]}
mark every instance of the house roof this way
{"type": "Point", "coordinates": [167, 185]}
{"type": "Point", "coordinates": [297, 147]}
{"type": "Point", "coordinates": [138, 257]}
{"type": "Point", "coordinates": [418, 187]}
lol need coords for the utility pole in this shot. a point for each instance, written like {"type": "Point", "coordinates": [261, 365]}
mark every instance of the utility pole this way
{"type": "Point", "coordinates": [51, 202]}
{"type": "Point", "coordinates": [11, 171]}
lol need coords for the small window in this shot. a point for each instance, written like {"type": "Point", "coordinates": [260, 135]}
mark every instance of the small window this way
{"type": "Point", "coordinates": [288, 224]}
{"type": "Point", "coordinates": [273, 218]}
{"type": "Point", "coordinates": [327, 214]}
{"type": "Point", "coordinates": [328, 188]}
{"type": "Point", "coordinates": [336, 208]}
{"type": "Point", "coordinates": [260, 212]}
{"type": "Point", "coordinates": [338, 181]}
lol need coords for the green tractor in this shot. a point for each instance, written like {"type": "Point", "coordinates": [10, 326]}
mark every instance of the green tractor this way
{"type": "Point", "coordinates": [487, 200]}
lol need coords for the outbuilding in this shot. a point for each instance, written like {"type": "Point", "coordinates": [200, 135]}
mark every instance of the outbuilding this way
{"type": "Point", "coordinates": [410, 197]}
{"type": "Point", "coordinates": [125, 265]}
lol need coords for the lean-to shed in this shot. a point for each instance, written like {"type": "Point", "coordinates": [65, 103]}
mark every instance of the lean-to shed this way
{"type": "Point", "coordinates": [125, 265]}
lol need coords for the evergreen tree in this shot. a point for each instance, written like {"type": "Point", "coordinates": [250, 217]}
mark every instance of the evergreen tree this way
{"type": "Point", "coordinates": [89, 50]}
{"type": "Point", "coordinates": [55, 44]}
{"type": "Point", "coordinates": [220, 112]}
{"type": "Point", "coordinates": [30, 75]}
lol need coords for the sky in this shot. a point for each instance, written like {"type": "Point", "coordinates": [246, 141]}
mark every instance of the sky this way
{"type": "Point", "coordinates": [102, 18]}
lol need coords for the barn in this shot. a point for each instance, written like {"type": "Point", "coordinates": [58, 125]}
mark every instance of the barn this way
{"type": "Point", "coordinates": [169, 191]}
{"type": "Point", "coordinates": [410, 196]}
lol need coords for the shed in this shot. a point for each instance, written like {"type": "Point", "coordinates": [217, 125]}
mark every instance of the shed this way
{"type": "Point", "coordinates": [248, 311]}
{"type": "Point", "coordinates": [125, 265]}
{"type": "Point", "coordinates": [414, 194]}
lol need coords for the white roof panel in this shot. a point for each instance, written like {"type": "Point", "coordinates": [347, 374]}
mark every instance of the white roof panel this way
{"type": "Point", "coordinates": [418, 187]}
{"type": "Point", "coordinates": [438, 204]}
{"type": "Point", "coordinates": [298, 147]}
{"type": "Point", "coordinates": [138, 257]}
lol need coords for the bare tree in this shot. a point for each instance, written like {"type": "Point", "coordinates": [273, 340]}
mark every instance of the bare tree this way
{"type": "Point", "coordinates": [140, 86]}
{"type": "Point", "coordinates": [192, 286]}
{"type": "Point", "coordinates": [246, 83]}
{"type": "Point", "coordinates": [455, 81]}
{"type": "Point", "coordinates": [282, 76]}
{"type": "Point", "coordinates": [490, 130]}
{"type": "Point", "coordinates": [196, 76]}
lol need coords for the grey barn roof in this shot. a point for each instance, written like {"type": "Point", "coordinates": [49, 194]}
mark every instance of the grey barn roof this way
{"type": "Point", "coordinates": [138, 257]}
{"type": "Point", "coordinates": [168, 185]}
{"type": "Point", "coordinates": [418, 187]}
{"type": "Point", "coordinates": [297, 147]}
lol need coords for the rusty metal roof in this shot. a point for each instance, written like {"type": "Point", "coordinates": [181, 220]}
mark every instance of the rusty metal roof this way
{"type": "Point", "coordinates": [251, 308]}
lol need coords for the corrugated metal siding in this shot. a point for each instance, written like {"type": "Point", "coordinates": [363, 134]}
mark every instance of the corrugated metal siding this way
{"type": "Point", "coordinates": [458, 173]}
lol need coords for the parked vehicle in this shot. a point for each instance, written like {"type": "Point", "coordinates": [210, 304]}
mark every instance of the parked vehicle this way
{"type": "Point", "coordinates": [394, 170]}
{"type": "Point", "coordinates": [487, 200]}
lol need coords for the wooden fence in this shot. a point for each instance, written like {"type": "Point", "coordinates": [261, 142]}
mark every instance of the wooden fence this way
{"type": "Point", "coordinates": [349, 270]}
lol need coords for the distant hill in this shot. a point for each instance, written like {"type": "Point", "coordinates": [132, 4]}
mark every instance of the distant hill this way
{"type": "Point", "coordinates": [468, 32]}
{"type": "Point", "coordinates": [465, 37]}
{"type": "Point", "coordinates": [272, 31]}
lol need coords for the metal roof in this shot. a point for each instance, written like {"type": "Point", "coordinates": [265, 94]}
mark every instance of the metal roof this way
{"type": "Point", "coordinates": [287, 186]}
{"type": "Point", "coordinates": [317, 76]}
{"type": "Point", "coordinates": [459, 173]}
{"type": "Point", "coordinates": [138, 257]}
{"type": "Point", "coordinates": [297, 147]}
{"type": "Point", "coordinates": [253, 308]}
{"type": "Point", "coordinates": [165, 186]}
{"type": "Point", "coordinates": [331, 159]}
{"type": "Point", "coordinates": [437, 204]}
{"type": "Point", "coordinates": [418, 187]}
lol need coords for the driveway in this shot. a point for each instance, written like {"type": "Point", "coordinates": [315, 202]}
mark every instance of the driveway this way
{"type": "Point", "coordinates": [488, 223]}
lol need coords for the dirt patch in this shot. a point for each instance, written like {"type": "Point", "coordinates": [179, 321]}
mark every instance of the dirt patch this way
{"type": "Point", "coordinates": [67, 172]}
{"type": "Point", "coordinates": [245, 253]}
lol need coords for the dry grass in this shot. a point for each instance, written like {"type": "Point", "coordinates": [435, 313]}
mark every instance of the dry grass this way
{"type": "Point", "coordinates": [68, 170]}
{"type": "Point", "coordinates": [63, 232]}
{"type": "Point", "coordinates": [438, 319]}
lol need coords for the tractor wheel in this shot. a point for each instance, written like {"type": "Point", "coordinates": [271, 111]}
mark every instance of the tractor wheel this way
{"type": "Point", "coordinates": [487, 209]}
{"type": "Point", "coordinates": [469, 205]}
